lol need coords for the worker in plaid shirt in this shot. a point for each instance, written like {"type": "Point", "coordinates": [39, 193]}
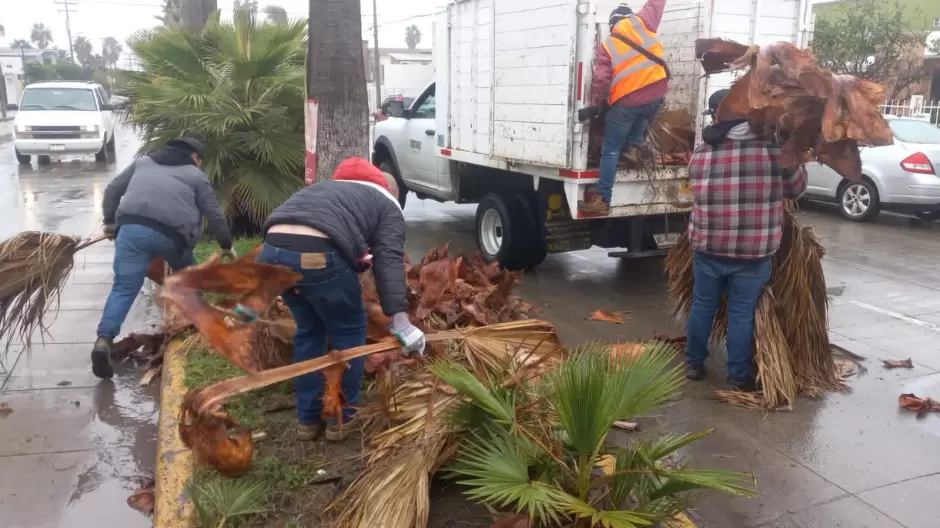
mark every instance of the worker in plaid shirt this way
{"type": "Point", "coordinates": [736, 225]}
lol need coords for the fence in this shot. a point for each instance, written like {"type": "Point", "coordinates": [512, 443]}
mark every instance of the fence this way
{"type": "Point", "coordinates": [916, 108]}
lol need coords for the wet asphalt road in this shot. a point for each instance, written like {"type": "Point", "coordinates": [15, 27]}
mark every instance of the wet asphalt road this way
{"type": "Point", "coordinates": [73, 447]}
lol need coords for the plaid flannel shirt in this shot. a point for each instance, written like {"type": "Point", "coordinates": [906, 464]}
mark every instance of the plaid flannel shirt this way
{"type": "Point", "coordinates": [739, 190]}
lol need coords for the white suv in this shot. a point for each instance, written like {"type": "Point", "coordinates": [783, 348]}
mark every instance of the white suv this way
{"type": "Point", "coordinates": [60, 118]}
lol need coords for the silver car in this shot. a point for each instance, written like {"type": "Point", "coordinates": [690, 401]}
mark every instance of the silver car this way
{"type": "Point", "coordinates": [901, 177]}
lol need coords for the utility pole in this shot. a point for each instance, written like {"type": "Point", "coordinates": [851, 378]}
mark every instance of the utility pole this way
{"type": "Point", "coordinates": [375, 57]}
{"type": "Point", "coordinates": [66, 4]}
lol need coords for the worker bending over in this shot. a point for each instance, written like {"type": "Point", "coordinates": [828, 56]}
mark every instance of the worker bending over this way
{"type": "Point", "coordinates": [329, 232]}
{"type": "Point", "coordinates": [154, 209]}
{"type": "Point", "coordinates": [739, 187]}
{"type": "Point", "coordinates": [631, 79]}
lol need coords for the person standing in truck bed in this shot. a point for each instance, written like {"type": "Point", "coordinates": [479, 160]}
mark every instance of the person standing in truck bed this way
{"type": "Point", "coordinates": [631, 78]}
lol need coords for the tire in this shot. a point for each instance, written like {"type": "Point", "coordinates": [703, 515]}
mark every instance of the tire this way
{"type": "Point", "coordinates": [859, 201]}
{"type": "Point", "coordinates": [390, 167]}
{"type": "Point", "coordinates": [102, 155]}
{"type": "Point", "coordinates": [507, 232]}
{"type": "Point", "coordinates": [43, 160]}
{"type": "Point", "coordinates": [110, 146]}
{"type": "Point", "coordinates": [23, 159]}
{"type": "Point", "coordinates": [928, 216]}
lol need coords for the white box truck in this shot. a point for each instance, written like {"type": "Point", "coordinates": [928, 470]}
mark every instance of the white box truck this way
{"type": "Point", "coordinates": [498, 126]}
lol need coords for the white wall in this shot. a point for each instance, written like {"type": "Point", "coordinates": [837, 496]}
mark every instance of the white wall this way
{"type": "Point", "coordinates": [12, 67]}
{"type": "Point", "coordinates": [408, 79]}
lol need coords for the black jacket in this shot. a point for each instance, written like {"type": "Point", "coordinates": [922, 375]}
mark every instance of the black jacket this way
{"type": "Point", "coordinates": [359, 218]}
{"type": "Point", "coordinates": [166, 192]}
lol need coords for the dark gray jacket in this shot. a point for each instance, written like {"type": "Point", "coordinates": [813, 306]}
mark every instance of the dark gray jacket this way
{"type": "Point", "coordinates": [169, 198]}
{"type": "Point", "coordinates": [359, 218]}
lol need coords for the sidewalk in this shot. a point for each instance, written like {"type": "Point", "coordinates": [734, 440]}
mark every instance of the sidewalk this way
{"type": "Point", "coordinates": [72, 448]}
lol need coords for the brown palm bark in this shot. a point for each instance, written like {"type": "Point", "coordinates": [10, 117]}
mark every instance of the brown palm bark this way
{"type": "Point", "coordinates": [336, 80]}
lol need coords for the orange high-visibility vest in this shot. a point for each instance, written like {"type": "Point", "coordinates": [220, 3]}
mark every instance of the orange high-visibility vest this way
{"type": "Point", "coordinates": [631, 69]}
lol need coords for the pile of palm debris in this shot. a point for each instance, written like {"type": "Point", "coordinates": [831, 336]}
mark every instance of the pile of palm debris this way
{"type": "Point", "coordinates": [819, 115]}
{"type": "Point", "coordinates": [671, 139]}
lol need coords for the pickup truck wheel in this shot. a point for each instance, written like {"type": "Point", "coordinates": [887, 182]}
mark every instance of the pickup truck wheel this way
{"type": "Point", "coordinates": [389, 167]}
{"type": "Point", "coordinates": [23, 159]}
{"type": "Point", "coordinates": [506, 232]}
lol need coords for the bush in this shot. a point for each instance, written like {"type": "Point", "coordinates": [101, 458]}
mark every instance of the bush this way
{"type": "Point", "coordinates": [238, 87]}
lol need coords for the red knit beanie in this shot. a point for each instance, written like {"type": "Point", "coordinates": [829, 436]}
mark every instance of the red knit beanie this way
{"type": "Point", "coordinates": [358, 169]}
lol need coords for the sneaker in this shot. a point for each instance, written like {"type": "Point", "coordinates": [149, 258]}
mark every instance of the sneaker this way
{"type": "Point", "coordinates": [310, 432]}
{"type": "Point", "coordinates": [747, 385]}
{"type": "Point", "coordinates": [694, 372]}
{"type": "Point", "coordinates": [101, 358]}
{"type": "Point", "coordinates": [337, 432]}
{"type": "Point", "coordinates": [595, 205]}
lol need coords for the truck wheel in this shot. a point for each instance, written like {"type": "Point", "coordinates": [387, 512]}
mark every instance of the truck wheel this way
{"type": "Point", "coordinates": [389, 167]}
{"type": "Point", "coordinates": [507, 232]}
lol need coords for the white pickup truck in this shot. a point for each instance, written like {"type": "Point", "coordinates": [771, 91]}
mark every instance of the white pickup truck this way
{"type": "Point", "coordinates": [498, 127]}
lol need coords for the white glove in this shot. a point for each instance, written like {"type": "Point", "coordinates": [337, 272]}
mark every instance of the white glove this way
{"type": "Point", "coordinates": [411, 338]}
{"type": "Point", "coordinates": [229, 255]}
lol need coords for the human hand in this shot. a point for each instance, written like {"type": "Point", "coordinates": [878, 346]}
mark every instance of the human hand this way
{"type": "Point", "coordinates": [109, 231]}
{"type": "Point", "coordinates": [229, 255]}
{"type": "Point", "coordinates": [410, 336]}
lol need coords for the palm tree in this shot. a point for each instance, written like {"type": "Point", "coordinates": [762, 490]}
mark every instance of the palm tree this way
{"type": "Point", "coordinates": [239, 87]}
{"type": "Point", "coordinates": [336, 78]}
{"type": "Point", "coordinates": [111, 51]}
{"type": "Point", "coordinates": [172, 13]}
{"type": "Point", "coordinates": [83, 50]}
{"type": "Point", "coordinates": [21, 44]}
{"type": "Point", "coordinates": [412, 36]}
{"type": "Point", "coordinates": [276, 14]}
{"type": "Point", "coordinates": [3, 31]}
{"type": "Point", "coordinates": [250, 6]}
{"type": "Point", "coordinates": [533, 448]}
{"type": "Point", "coordinates": [41, 35]}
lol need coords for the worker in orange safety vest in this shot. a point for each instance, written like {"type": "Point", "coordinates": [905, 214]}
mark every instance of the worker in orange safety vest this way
{"type": "Point", "coordinates": [630, 80]}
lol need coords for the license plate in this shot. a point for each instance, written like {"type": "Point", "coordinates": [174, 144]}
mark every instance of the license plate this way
{"type": "Point", "coordinates": [665, 240]}
{"type": "Point", "coordinates": [56, 148]}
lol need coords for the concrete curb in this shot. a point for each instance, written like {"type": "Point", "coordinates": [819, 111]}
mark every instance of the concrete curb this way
{"type": "Point", "coordinates": [172, 508]}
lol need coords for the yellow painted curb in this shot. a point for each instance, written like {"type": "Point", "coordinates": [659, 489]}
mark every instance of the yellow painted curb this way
{"type": "Point", "coordinates": [172, 509]}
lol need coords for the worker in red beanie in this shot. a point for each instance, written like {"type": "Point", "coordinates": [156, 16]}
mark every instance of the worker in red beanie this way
{"type": "Point", "coordinates": [328, 232]}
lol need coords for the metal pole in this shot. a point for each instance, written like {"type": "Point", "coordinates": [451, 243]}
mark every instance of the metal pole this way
{"type": "Point", "coordinates": [375, 56]}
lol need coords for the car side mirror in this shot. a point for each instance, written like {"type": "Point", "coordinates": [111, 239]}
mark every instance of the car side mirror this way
{"type": "Point", "coordinates": [107, 108]}
{"type": "Point", "coordinates": [396, 109]}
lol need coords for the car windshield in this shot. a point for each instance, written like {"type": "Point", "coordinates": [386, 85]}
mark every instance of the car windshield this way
{"type": "Point", "coordinates": [911, 131]}
{"type": "Point", "coordinates": [58, 99]}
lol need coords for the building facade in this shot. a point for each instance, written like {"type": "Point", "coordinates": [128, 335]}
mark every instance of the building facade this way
{"type": "Point", "coordinates": [11, 64]}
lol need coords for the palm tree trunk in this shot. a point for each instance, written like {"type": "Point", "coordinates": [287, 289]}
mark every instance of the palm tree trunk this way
{"type": "Point", "coordinates": [336, 86]}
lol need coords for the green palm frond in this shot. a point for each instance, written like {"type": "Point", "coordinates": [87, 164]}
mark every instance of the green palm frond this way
{"type": "Point", "coordinates": [239, 87]}
{"type": "Point", "coordinates": [646, 380]}
{"type": "Point", "coordinates": [220, 500]}
{"type": "Point", "coordinates": [608, 518]}
{"type": "Point", "coordinates": [495, 467]}
{"type": "Point", "coordinates": [498, 402]}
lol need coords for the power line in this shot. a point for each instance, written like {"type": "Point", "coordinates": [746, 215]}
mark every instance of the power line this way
{"type": "Point", "coordinates": [66, 4]}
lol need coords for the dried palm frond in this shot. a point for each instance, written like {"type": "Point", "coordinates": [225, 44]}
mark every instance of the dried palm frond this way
{"type": "Point", "coordinates": [33, 269]}
{"type": "Point", "coordinates": [792, 349]}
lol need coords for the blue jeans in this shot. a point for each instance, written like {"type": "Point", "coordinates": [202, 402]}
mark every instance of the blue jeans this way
{"type": "Point", "coordinates": [134, 248]}
{"type": "Point", "coordinates": [327, 307]}
{"type": "Point", "coordinates": [743, 281]}
{"type": "Point", "coordinates": [623, 126]}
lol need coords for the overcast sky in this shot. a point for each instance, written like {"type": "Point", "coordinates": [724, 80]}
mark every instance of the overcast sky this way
{"type": "Point", "coordinates": [96, 19]}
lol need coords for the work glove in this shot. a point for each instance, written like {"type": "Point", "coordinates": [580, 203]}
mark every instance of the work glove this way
{"type": "Point", "coordinates": [109, 230]}
{"type": "Point", "coordinates": [411, 338]}
{"type": "Point", "coordinates": [229, 255]}
{"type": "Point", "coordinates": [588, 112]}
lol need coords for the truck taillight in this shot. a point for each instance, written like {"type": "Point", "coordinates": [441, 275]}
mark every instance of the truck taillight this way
{"type": "Point", "coordinates": [917, 163]}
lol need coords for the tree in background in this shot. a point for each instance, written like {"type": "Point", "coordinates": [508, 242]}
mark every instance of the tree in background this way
{"type": "Point", "coordinates": [248, 6]}
{"type": "Point", "coordinates": [41, 35]}
{"type": "Point", "coordinates": [276, 14]}
{"type": "Point", "coordinates": [3, 31]}
{"type": "Point", "coordinates": [3, 86]}
{"type": "Point", "coordinates": [61, 54]}
{"type": "Point", "coordinates": [172, 13]}
{"type": "Point", "coordinates": [21, 44]}
{"type": "Point", "coordinates": [84, 51]}
{"type": "Point", "coordinates": [873, 40]}
{"type": "Point", "coordinates": [412, 36]}
{"type": "Point", "coordinates": [237, 86]}
{"type": "Point", "coordinates": [336, 79]}
{"type": "Point", "coordinates": [110, 51]}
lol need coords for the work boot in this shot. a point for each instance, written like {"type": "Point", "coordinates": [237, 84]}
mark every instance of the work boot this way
{"type": "Point", "coordinates": [101, 358]}
{"type": "Point", "coordinates": [337, 432]}
{"type": "Point", "coordinates": [632, 155]}
{"type": "Point", "coordinates": [694, 372]}
{"type": "Point", "coordinates": [595, 204]}
{"type": "Point", "coordinates": [310, 432]}
{"type": "Point", "coordinates": [747, 385]}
